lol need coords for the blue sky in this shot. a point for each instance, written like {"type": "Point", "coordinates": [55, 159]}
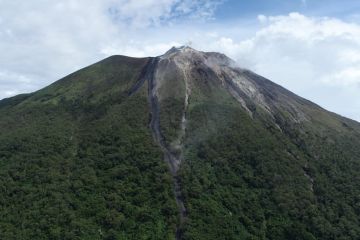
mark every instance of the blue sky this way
{"type": "Point", "coordinates": [311, 47]}
{"type": "Point", "coordinates": [246, 9]}
{"type": "Point", "coordinates": [232, 9]}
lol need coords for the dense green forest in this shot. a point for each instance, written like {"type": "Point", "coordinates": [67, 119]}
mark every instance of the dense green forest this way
{"type": "Point", "coordinates": [245, 179]}
{"type": "Point", "coordinates": [83, 168]}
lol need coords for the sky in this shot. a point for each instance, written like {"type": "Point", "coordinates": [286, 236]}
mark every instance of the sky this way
{"type": "Point", "coordinates": [311, 47]}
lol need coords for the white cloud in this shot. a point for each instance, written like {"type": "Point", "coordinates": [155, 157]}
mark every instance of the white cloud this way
{"type": "Point", "coordinates": [43, 40]}
{"type": "Point", "coordinates": [148, 12]}
{"type": "Point", "coordinates": [139, 50]}
{"type": "Point", "coordinates": [262, 18]}
{"type": "Point", "coordinates": [318, 58]}
{"type": "Point", "coordinates": [40, 41]}
{"type": "Point", "coordinates": [9, 79]}
{"type": "Point", "coordinates": [346, 77]}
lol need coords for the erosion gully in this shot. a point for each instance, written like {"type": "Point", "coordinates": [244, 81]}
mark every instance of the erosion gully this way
{"type": "Point", "coordinates": [148, 74]}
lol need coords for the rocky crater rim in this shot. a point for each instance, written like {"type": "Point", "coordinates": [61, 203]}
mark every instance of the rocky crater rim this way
{"type": "Point", "coordinates": [235, 79]}
{"type": "Point", "coordinates": [209, 58]}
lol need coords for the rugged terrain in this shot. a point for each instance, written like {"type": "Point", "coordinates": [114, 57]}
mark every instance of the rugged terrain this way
{"type": "Point", "coordinates": [187, 145]}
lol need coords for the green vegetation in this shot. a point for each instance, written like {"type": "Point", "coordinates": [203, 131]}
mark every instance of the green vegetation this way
{"type": "Point", "coordinates": [242, 178]}
{"type": "Point", "coordinates": [78, 165]}
{"type": "Point", "coordinates": [172, 103]}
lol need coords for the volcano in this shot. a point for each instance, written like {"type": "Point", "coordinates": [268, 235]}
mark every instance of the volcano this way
{"type": "Point", "coordinates": [186, 145]}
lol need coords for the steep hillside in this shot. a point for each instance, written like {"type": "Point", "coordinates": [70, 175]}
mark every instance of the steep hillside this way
{"type": "Point", "coordinates": [186, 145]}
{"type": "Point", "coordinates": [78, 160]}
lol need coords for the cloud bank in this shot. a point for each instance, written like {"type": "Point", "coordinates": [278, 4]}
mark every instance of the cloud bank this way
{"type": "Point", "coordinates": [318, 58]}
{"type": "Point", "coordinates": [42, 40]}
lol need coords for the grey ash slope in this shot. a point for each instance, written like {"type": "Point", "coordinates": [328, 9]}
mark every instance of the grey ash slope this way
{"type": "Point", "coordinates": [186, 145]}
{"type": "Point", "coordinates": [291, 144]}
{"type": "Point", "coordinates": [256, 94]}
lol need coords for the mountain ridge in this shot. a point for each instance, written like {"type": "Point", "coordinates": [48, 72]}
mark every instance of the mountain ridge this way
{"type": "Point", "coordinates": [177, 49]}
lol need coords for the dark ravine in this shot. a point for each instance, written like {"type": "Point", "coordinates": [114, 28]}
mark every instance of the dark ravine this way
{"type": "Point", "coordinates": [171, 159]}
{"type": "Point", "coordinates": [142, 78]}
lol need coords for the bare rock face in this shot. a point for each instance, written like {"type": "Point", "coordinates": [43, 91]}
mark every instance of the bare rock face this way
{"type": "Point", "coordinates": [253, 92]}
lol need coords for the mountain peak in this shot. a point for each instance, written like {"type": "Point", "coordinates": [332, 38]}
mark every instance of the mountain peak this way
{"type": "Point", "coordinates": [188, 55]}
{"type": "Point", "coordinates": [184, 48]}
{"type": "Point", "coordinates": [182, 51]}
{"type": "Point", "coordinates": [213, 68]}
